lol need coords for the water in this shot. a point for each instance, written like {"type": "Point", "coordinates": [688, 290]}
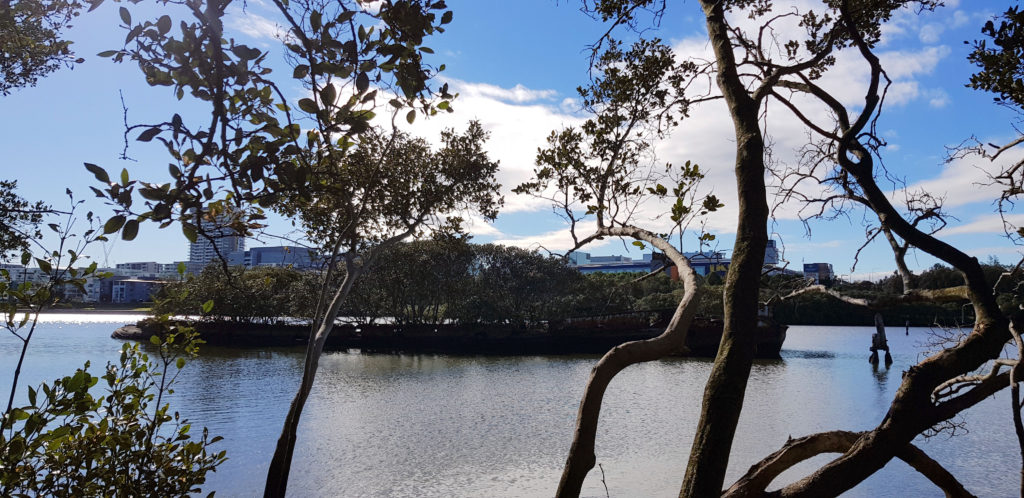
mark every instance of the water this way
{"type": "Point", "coordinates": [424, 425]}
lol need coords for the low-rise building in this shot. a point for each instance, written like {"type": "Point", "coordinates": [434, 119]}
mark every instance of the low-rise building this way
{"type": "Point", "coordinates": [134, 290]}
{"type": "Point", "coordinates": [280, 256]}
{"type": "Point", "coordinates": [819, 272]}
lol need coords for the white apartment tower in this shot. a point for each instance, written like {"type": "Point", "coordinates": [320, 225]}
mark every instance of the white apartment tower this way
{"type": "Point", "coordinates": [202, 251]}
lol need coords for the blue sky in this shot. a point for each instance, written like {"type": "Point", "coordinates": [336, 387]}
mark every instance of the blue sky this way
{"type": "Point", "coordinates": [516, 66]}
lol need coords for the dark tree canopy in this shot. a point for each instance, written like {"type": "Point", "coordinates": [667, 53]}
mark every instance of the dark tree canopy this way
{"type": "Point", "coordinates": [31, 40]}
{"type": "Point", "coordinates": [1001, 58]}
{"type": "Point", "coordinates": [19, 219]}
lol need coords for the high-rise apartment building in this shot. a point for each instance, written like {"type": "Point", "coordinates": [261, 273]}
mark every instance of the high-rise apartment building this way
{"type": "Point", "coordinates": [203, 250]}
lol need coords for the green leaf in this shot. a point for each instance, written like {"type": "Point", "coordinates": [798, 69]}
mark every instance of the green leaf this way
{"type": "Point", "coordinates": [345, 16]}
{"type": "Point", "coordinates": [244, 52]}
{"type": "Point", "coordinates": [638, 244]}
{"type": "Point", "coordinates": [44, 265]}
{"type": "Point", "coordinates": [124, 176]}
{"type": "Point", "coordinates": [149, 134]}
{"type": "Point", "coordinates": [189, 230]}
{"type": "Point", "coordinates": [163, 25]}
{"type": "Point", "coordinates": [207, 306]}
{"type": "Point", "coordinates": [309, 106]}
{"type": "Point", "coordinates": [181, 268]}
{"type": "Point", "coordinates": [300, 72]}
{"type": "Point", "coordinates": [155, 340]}
{"type": "Point", "coordinates": [114, 224]}
{"type": "Point", "coordinates": [100, 173]}
{"type": "Point", "coordinates": [328, 94]}
{"type": "Point", "coordinates": [315, 20]}
{"type": "Point", "coordinates": [446, 17]}
{"type": "Point", "coordinates": [180, 363]}
{"type": "Point", "coordinates": [362, 82]}
{"type": "Point", "coordinates": [411, 116]}
{"type": "Point", "coordinates": [131, 229]}
{"type": "Point", "coordinates": [107, 53]}
{"type": "Point", "coordinates": [126, 16]}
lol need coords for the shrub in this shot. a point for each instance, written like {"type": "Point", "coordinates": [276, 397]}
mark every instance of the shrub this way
{"type": "Point", "coordinates": [67, 442]}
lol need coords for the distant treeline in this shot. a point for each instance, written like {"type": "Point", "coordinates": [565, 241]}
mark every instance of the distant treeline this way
{"type": "Point", "coordinates": [819, 309]}
{"type": "Point", "coordinates": [427, 282]}
{"type": "Point", "coordinates": [453, 281]}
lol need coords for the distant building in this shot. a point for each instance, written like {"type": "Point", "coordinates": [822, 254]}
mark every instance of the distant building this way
{"type": "Point", "coordinates": [586, 263]}
{"type": "Point", "coordinates": [280, 256]}
{"type": "Point", "coordinates": [224, 241]}
{"type": "Point", "coordinates": [142, 267]}
{"type": "Point", "coordinates": [819, 272]}
{"type": "Point", "coordinates": [708, 262]}
{"type": "Point", "coordinates": [704, 263]}
{"type": "Point", "coordinates": [771, 254]}
{"type": "Point", "coordinates": [134, 290]}
{"type": "Point", "coordinates": [577, 258]}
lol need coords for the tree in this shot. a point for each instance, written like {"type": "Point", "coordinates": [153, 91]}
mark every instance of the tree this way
{"type": "Point", "coordinates": [19, 219]}
{"type": "Point", "coordinates": [31, 43]}
{"type": "Point", "coordinates": [70, 442]}
{"type": "Point", "coordinates": [604, 171]}
{"type": "Point", "coordinates": [355, 186]}
{"type": "Point", "coordinates": [517, 287]}
{"type": "Point", "coordinates": [257, 295]}
{"type": "Point", "coordinates": [762, 64]}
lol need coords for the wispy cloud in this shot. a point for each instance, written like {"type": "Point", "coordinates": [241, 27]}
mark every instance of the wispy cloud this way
{"type": "Point", "coordinates": [256, 26]}
{"type": "Point", "coordinates": [518, 94]}
{"type": "Point", "coordinates": [987, 223]}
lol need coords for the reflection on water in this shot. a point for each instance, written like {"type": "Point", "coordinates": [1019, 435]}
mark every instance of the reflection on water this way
{"type": "Point", "coordinates": [431, 425]}
{"type": "Point", "coordinates": [808, 355]}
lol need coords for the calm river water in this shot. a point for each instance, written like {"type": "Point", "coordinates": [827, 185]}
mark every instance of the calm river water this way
{"type": "Point", "coordinates": [419, 425]}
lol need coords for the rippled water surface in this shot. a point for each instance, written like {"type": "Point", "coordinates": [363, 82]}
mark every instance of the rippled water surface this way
{"type": "Point", "coordinates": [425, 425]}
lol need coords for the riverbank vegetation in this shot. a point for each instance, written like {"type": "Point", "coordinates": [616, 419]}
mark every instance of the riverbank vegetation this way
{"type": "Point", "coordinates": [78, 436]}
{"type": "Point", "coordinates": [450, 280]}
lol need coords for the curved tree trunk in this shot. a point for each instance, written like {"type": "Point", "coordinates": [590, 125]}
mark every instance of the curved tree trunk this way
{"type": "Point", "coordinates": [280, 464]}
{"type": "Point", "coordinates": [759, 477]}
{"type": "Point", "coordinates": [724, 392]}
{"type": "Point", "coordinates": [581, 457]}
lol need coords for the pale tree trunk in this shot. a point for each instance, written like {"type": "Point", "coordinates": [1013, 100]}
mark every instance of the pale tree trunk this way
{"type": "Point", "coordinates": [581, 457]}
{"type": "Point", "coordinates": [725, 389]}
{"type": "Point", "coordinates": [757, 479]}
{"type": "Point", "coordinates": [280, 465]}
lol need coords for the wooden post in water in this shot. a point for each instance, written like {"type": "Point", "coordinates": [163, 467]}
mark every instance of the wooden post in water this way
{"type": "Point", "coordinates": [879, 343]}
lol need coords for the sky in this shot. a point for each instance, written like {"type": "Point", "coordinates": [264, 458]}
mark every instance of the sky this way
{"type": "Point", "coordinates": [516, 67]}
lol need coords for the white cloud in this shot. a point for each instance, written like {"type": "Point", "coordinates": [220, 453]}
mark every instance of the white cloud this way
{"type": "Point", "coordinates": [256, 26]}
{"type": "Point", "coordinates": [930, 33]}
{"type": "Point", "coordinates": [900, 64]}
{"type": "Point", "coordinates": [937, 97]}
{"type": "Point", "coordinates": [520, 118]}
{"type": "Point", "coordinates": [518, 125]}
{"type": "Point", "coordinates": [518, 94]}
{"type": "Point", "coordinates": [479, 227]}
{"type": "Point", "coordinates": [959, 19]}
{"type": "Point", "coordinates": [988, 223]}
{"type": "Point", "coordinates": [967, 180]}
{"type": "Point", "coordinates": [848, 79]}
{"type": "Point", "coordinates": [556, 240]}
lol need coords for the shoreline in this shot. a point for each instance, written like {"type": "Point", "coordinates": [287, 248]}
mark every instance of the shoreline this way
{"type": "Point", "coordinates": [583, 337]}
{"type": "Point", "coordinates": [94, 311]}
